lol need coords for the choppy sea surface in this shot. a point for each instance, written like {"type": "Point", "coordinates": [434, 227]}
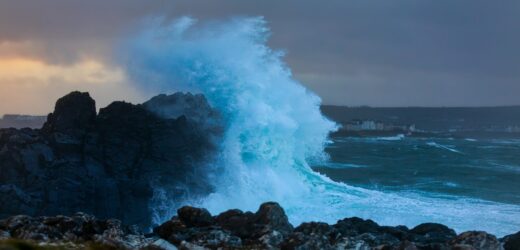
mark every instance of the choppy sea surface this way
{"type": "Point", "coordinates": [468, 168]}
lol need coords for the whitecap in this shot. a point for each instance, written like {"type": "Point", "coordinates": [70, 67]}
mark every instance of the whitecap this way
{"type": "Point", "coordinates": [392, 138]}
{"type": "Point", "coordinates": [437, 145]}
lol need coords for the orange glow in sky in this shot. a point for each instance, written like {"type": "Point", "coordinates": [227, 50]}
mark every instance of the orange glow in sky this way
{"type": "Point", "coordinates": [30, 86]}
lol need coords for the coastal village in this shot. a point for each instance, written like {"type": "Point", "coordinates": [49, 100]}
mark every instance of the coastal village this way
{"type": "Point", "coordinates": [371, 125]}
{"type": "Point", "coordinates": [359, 127]}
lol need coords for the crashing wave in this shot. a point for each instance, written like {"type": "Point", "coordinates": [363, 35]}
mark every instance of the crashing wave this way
{"type": "Point", "coordinates": [274, 129]}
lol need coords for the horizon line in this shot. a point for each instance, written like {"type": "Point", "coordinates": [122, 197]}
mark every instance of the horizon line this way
{"type": "Point", "coordinates": [438, 107]}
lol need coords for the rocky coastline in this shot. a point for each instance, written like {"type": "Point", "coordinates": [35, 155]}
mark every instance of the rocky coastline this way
{"type": "Point", "coordinates": [110, 165]}
{"type": "Point", "coordinates": [267, 228]}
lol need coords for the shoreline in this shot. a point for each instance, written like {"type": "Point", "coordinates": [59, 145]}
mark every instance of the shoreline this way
{"type": "Point", "coordinates": [267, 228]}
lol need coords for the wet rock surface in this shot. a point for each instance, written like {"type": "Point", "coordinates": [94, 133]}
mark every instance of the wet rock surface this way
{"type": "Point", "coordinates": [109, 164]}
{"type": "Point", "coordinates": [267, 228]}
{"type": "Point", "coordinates": [77, 230]}
{"type": "Point", "coordinates": [475, 240]}
{"type": "Point", "coordinates": [511, 242]}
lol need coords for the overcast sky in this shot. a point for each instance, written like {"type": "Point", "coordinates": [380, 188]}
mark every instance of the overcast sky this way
{"type": "Point", "coordinates": [377, 53]}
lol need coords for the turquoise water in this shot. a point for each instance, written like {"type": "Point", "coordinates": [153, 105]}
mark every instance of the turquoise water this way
{"type": "Point", "coordinates": [483, 169]}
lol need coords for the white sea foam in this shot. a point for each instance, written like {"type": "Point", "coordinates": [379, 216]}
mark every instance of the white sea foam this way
{"type": "Point", "coordinates": [441, 146]}
{"type": "Point", "coordinates": [341, 165]}
{"type": "Point", "coordinates": [391, 138]}
{"type": "Point", "coordinates": [274, 128]}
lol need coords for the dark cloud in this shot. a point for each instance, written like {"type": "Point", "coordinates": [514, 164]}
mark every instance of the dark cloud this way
{"type": "Point", "coordinates": [385, 53]}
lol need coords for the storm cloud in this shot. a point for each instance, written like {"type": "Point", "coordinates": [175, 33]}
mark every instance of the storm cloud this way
{"type": "Point", "coordinates": [377, 53]}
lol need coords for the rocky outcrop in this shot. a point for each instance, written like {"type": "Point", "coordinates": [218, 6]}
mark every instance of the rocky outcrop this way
{"type": "Point", "coordinates": [112, 164]}
{"type": "Point", "coordinates": [77, 229]}
{"type": "Point", "coordinates": [267, 228]}
{"type": "Point", "coordinates": [109, 164]}
{"type": "Point", "coordinates": [75, 111]}
{"type": "Point", "coordinates": [234, 228]}
{"type": "Point", "coordinates": [475, 240]}
{"type": "Point", "coordinates": [512, 242]}
{"type": "Point", "coordinates": [195, 107]}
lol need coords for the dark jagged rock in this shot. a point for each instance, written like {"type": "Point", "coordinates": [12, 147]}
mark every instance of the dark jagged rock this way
{"type": "Point", "coordinates": [76, 110]}
{"type": "Point", "coordinates": [429, 228]}
{"type": "Point", "coordinates": [312, 235]}
{"type": "Point", "coordinates": [433, 233]}
{"type": "Point", "coordinates": [111, 164]}
{"type": "Point", "coordinates": [269, 228]}
{"type": "Point", "coordinates": [107, 164]}
{"type": "Point", "coordinates": [272, 216]}
{"type": "Point", "coordinates": [170, 229]}
{"type": "Point", "coordinates": [194, 217]}
{"type": "Point", "coordinates": [355, 226]}
{"type": "Point", "coordinates": [236, 221]}
{"type": "Point", "coordinates": [80, 228]}
{"type": "Point", "coordinates": [512, 242]}
{"type": "Point", "coordinates": [475, 240]}
{"type": "Point", "coordinates": [179, 104]}
{"type": "Point", "coordinates": [195, 228]}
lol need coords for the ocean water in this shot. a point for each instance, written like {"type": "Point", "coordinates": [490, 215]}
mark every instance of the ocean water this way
{"type": "Point", "coordinates": [275, 134]}
{"type": "Point", "coordinates": [487, 169]}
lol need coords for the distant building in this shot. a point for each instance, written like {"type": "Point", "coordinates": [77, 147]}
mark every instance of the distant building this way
{"type": "Point", "coordinates": [380, 126]}
{"type": "Point", "coordinates": [354, 125]}
{"type": "Point", "coordinates": [513, 129]}
{"type": "Point", "coordinates": [370, 125]}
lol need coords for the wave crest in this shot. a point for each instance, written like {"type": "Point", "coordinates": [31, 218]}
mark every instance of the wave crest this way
{"type": "Point", "coordinates": [274, 128]}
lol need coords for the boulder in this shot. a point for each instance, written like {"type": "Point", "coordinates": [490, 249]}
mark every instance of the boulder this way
{"type": "Point", "coordinates": [267, 228]}
{"type": "Point", "coordinates": [311, 235]}
{"type": "Point", "coordinates": [356, 226]}
{"type": "Point", "coordinates": [236, 221]}
{"type": "Point", "coordinates": [512, 242]}
{"type": "Point", "coordinates": [76, 230]}
{"type": "Point", "coordinates": [272, 216]}
{"type": "Point", "coordinates": [400, 232]}
{"type": "Point", "coordinates": [173, 231]}
{"type": "Point", "coordinates": [195, 217]}
{"type": "Point", "coordinates": [432, 233]}
{"type": "Point", "coordinates": [476, 240]}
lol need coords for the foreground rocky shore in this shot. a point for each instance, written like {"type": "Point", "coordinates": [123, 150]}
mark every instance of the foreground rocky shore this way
{"type": "Point", "coordinates": [268, 228]}
{"type": "Point", "coordinates": [114, 164]}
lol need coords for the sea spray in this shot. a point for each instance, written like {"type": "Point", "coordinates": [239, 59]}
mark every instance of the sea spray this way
{"type": "Point", "coordinates": [274, 125]}
{"type": "Point", "coordinates": [274, 128]}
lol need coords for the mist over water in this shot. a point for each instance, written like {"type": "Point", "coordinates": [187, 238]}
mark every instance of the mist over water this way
{"type": "Point", "coordinates": [274, 130]}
